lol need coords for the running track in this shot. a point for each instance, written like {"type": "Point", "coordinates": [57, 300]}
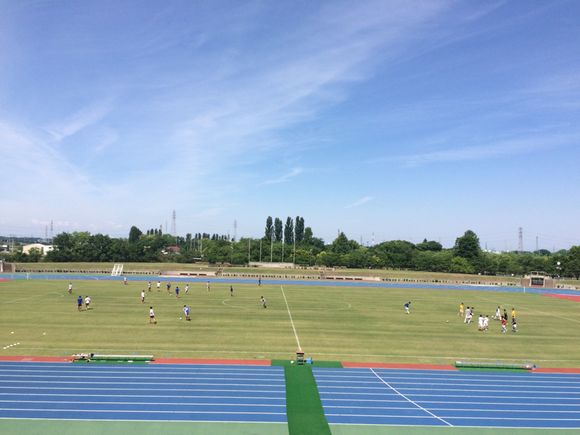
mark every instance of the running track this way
{"type": "Point", "coordinates": [449, 398]}
{"type": "Point", "coordinates": [289, 282]}
{"type": "Point", "coordinates": [142, 392]}
{"type": "Point", "coordinates": [257, 394]}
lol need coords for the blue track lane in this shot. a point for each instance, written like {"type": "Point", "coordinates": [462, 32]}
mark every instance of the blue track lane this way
{"type": "Point", "coordinates": [142, 392]}
{"type": "Point", "coordinates": [287, 282]}
{"type": "Point", "coordinates": [436, 398]}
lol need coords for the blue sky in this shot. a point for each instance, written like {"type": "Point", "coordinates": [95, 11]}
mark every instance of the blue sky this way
{"type": "Point", "coordinates": [384, 119]}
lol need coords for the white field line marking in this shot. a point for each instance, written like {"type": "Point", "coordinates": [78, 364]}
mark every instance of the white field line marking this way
{"type": "Point", "coordinates": [405, 397]}
{"type": "Point", "coordinates": [206, 375]}
{"type": "Point", "coordinates": [291, 321]}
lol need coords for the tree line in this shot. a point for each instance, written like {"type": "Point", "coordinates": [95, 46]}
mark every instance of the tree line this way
{"type": "Point", "coordinates": [292, 242]}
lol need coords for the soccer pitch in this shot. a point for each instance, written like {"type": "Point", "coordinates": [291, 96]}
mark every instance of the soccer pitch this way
{"type": "Point", "coordinates": [330, 323]}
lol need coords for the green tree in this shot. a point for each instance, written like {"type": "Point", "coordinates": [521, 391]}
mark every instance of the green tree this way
{"type": "Point", "coordinates": [467, 246]}
{"type": "Point", "coordinates": [299, 229]}
{"type": "Point", "coordinates": [429, 246]}
{"type": "Point", "coordinates": [572, 262]}
{"type": "Point", "coordinates": [277, 230]}
{"type": "Point", "coordinates": [341, 245]}
{"type": "Point", "coordinates": [269, 230]}
{"type": "Point", "coordinates": [289, 231]}
{"type": "Point", "coordinates": [308, 235]}
{"type": "Point", "coordinates": [134, 234]}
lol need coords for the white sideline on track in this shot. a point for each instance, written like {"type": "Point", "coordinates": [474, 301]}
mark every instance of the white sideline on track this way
{"type": "Point", "coordinates": [291, 321]}
{"type": "Point", "coordinates": [406, 398]}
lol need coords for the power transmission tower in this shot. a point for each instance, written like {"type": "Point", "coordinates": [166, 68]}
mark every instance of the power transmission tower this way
{"type": "Point", "coordinates": [520, 239]}
{"type": "Point", "coordinates": [173, 226]}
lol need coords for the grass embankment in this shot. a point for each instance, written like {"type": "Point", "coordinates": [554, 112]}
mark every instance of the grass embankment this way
{"type": "Point", "coordinates": [333, 323]}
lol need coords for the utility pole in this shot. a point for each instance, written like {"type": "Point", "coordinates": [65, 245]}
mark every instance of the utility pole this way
{"type": "Point", "coordinates": [249, 255]}
{"type": "Point", "coordinates": [520, 240]}
{"type": "Point", "coordinates": [260, 250]}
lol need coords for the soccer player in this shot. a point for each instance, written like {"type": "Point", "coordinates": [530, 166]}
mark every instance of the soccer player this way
{"type": "Point", "coordinates": [152, 318]}
{"type": "Point", "coordinates": [231, 290]}
{"type": "Point", "coordinates": [497, 315]}
{"type": "Point", "coordinates": [461, 310]}
{"type": "Point", "coordinates": [263, 301]}
{"type": "Point", "coordinates": [407, 307]}
{"type": "Point", "coordinates": [158, 286]}
{"type": "Point", "coordinates": [177, 290]}
{"type": "Point", "coordinates": [186, 312]}
{"type": "Point", "coordinates": [485, 323]}
{"type": "Point", "coordinates": [88, 302]}
{"type": "Point", "coordinates": [259, 281]}
{"type": "Point", "coordinates": [505, 314]}
{"type": "Point", "coordinates": [513, 314]}
{"type": "Point", "coordinates": [187, 288]}
{"type": "Point", "coordinates": [80, 303]}
{"type": "Point", "coordinates": [142, 296]}
{"type": "Point", "coordinates": [168, 286]}
{"type": "Point", "coordinates": [149, 286]}
{"type": "Point", "coordinates": [70, 288]}
{"type": "Point", "coordinates": [207, 286]}
{"type": "Point", "coordinates": [480, 323]}
{"type": "Point", "coordinates": [514, 325]}
{"type": "Point", "coordinates": [125, 280]}
{"type": "Point", "coordinates": [469, 315]}
{"type": "Point", "coordinates": [503, 325]}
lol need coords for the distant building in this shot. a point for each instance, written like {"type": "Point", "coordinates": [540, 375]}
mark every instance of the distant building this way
{"type": "Point", "coordinates": [44, 249]}
{"type": "Point", "coordinates": [171, 250]}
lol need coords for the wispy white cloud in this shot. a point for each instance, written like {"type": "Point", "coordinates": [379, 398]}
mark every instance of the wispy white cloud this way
{"type": "Point", "coordinates": [497, 149]}
{"type": "Point", "coordinates": [80, 120]}
{"type": "Point", "coordinates": [359, 202]}
{"type": "Point", "coordinates": [286, 177]}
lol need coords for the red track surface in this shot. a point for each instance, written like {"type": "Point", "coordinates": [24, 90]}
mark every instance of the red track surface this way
{"type": "Point", "coordinates": [556, 370]}
{"type": "Point", "coordinates": [4, 280]}
{"type": "Point", "coordinates": [559, 296]}
{"type": "Point", "coordinates": [352, 365]}
{"type": "Point", "coordinates": [36, 358]}
{"type": "Point", "coordinates": [247, 362]}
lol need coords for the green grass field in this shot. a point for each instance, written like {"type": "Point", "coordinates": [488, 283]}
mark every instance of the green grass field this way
{"type": "Point", "coordinates": [332, 323]}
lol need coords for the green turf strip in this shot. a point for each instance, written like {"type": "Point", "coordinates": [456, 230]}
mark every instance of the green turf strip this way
{"type": "Point", "coordinates": [303, 405]}
{"type": "Point", "coordinates": [68, 427]}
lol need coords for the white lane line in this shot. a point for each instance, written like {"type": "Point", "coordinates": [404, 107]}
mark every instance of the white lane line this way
{"type": "Point", "coordinates": [493, 410]}
{"type": "Point", "coordinates": [185, 390]}
{"type": "Point", "coordinates": [533, 392]}
{"type": "Point", "coordinates": [456, 382]}
{"type": "Point", "coordinates": [291, 321]}
{"type": "Point", "coordinates": [461, 418]}
{"type": "Point", "coordinates": [483, 395]}
{"type": "Point", "coordinates": [281, 384]}
{"type": "Point", "coordinates": [141, 411]}
{"type": "Point", "coordinates": [146, 403]}
{"type": "Point", "coordinates": [148, 396]}
{"type": "Point", "coordinates": [466, 402]}
{"type": "Point", "coordinates": [406, 398]}
{"type": "Point", "coordinates": [33, 378]}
